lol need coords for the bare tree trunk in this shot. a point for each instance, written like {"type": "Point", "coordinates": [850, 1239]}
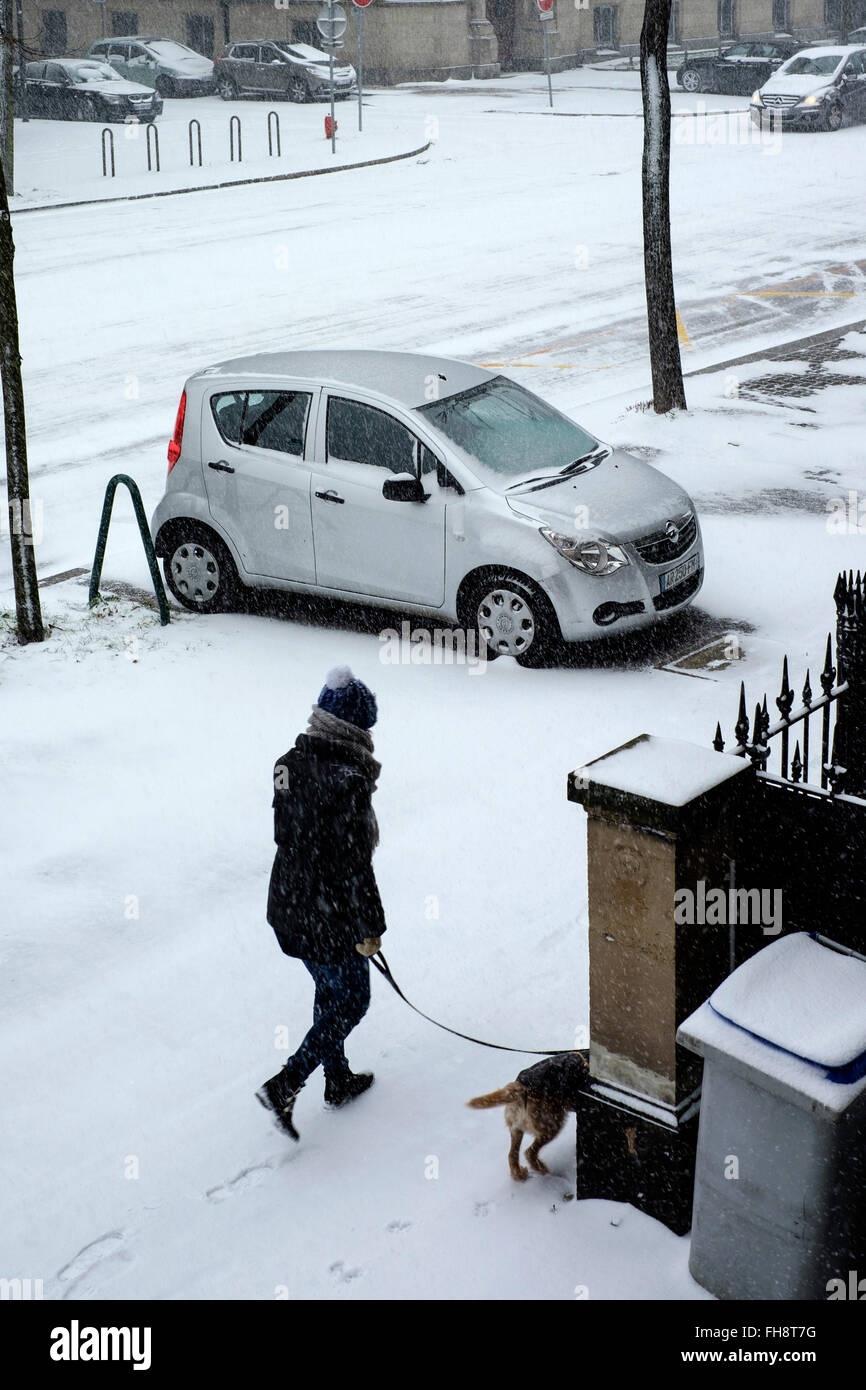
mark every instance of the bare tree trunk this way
{"type": "Point", "coordinates": [27, 605]}
{"type": "Point", "coordinates": [7, 59]}
{"type": "Point", "coordinates": [667, 376]}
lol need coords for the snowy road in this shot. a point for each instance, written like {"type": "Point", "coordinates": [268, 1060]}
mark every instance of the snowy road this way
{"type": "Point", "coordinates": [142, 991]}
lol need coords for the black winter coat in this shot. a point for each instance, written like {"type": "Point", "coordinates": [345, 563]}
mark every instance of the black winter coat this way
{"type": "Point", "coordinates": [323, 896]}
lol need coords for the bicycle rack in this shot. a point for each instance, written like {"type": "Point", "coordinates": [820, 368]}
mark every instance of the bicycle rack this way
{"type": "Point", "coordinates": [197, 125]}
{"type": "Point", "coordinates": [150, 129]}
{"type": "Point", "coordinates": [235, 121]}
{"type": "Point", "coordinates": [144, 530]}
{"type": "Point", "coordinates": [276, 127]}
{"type": "Point", "coordinates": [106, 130]}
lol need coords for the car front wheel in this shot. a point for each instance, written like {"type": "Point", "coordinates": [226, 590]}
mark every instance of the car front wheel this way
{"type": "Point", "coordinates": [834, 118]}
{"type": "Point", "coordinates": [691, 80]}
{"type": "Point", "coordinates": [164, 86]}
{"type": "Point", "coordinates": [200, 571]}
{"type": "Point", "coordinates": [87, 110]}
{"type": "Point", "coordinates": [298, 89]}
{"type": "Point", "coordinates": [513, 618]}
{"type": "Point", "coordinates": [227, 89]}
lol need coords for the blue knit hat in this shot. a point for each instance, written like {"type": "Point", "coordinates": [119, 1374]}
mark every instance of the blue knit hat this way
{"type": "Point", "coordinates": [348, 698]}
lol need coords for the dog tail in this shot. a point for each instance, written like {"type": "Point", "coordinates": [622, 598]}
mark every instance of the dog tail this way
{"type": "Point", "coordinates": [513, 1091]}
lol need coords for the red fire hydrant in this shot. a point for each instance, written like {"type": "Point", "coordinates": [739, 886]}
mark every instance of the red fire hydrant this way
{"type": "Point", "coordinates": [328, 130]}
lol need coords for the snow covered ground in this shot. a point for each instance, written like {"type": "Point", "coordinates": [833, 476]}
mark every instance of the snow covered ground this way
{"type": "Point", "coordinates": [143, 996]}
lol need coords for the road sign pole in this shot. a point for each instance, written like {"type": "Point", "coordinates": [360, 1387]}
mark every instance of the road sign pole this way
{"type": "Point", "coordinates": [333, 118]}
{"type": "Point", "coordinates": [360, 67]}
{"type": "Point", "coordinates": [547, 61]}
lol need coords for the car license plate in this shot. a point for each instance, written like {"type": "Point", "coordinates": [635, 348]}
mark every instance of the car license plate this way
{"type": "Point", "coordinates": [671, 578]}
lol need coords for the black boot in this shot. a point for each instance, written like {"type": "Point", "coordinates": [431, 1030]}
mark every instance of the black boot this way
{"type": "Point", "coordinates": [345, 1086]}
{"type": "Point", "coordinates": [279, 1096]}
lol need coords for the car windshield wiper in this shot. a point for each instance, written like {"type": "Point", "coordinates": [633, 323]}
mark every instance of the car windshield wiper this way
{"type": "Point", "coordinates": [584, 459]}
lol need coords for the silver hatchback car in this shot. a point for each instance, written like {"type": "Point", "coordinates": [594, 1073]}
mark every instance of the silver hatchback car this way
{"type": "Point", "coordinates": [420, 484]}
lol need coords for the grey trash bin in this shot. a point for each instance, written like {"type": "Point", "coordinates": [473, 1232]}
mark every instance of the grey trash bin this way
{"type": "Point", "coordinates": [780, 1182]}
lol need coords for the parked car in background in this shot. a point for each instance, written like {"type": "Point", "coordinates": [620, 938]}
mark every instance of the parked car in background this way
{"type": "Point", "coordinates": [819, 88]}
{"type": "Point", "coordinates": [273, 68]}
{"type": "Point", "coordinates": [83, 89]}
{"type": "Point", "coordinates": [171, 68]}
{"type": "Point", "coordinates": [738, 70]}
{"type": "Point", "coordinates": [336, 474]}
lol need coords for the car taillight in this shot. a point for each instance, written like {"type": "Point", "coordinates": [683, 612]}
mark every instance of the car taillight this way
{"type": "Point", "coordinates": [174, 444]}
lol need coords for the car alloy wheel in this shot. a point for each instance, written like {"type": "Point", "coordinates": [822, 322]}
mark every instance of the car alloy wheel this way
{"type": "Point", "coordinates": [227, 89]}
{"type": "Point", "coordinates": [199, 570]}
{"type": "Point", "coordinates": [298, 89]}
{"type": "Point", "coordinates": [834, 118]}
{"type": "Point", "coordinates": [691, 80]}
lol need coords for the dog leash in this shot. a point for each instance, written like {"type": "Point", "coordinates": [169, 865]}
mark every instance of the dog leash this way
{"type": "Point", "coordinates": [382, 966]}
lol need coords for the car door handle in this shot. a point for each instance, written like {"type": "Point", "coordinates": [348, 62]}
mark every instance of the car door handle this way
{"type": "Point", "coordinates": [330, 497]}
{"type": "Point", "coordinates": [221, 466]}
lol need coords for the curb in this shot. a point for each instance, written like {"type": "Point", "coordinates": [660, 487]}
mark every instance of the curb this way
{"type": "Point", "coordinates": [227, 183]}
{"type": "Point", "coordinates": [793, 343]}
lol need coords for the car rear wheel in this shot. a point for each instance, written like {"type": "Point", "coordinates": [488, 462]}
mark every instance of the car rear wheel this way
{"type": "Point", "coordinates": [227, 88]}
{"type": "Point", "coordinates": [512, 618]}
{"type": "Point", "coordinates": [199, 570]}
{"type": "Point", "coordinates": [298, 89]}
{"type": "Point", "coordinates": [834, 118]}
{"type": "Point", "coordinates": [691, 80]}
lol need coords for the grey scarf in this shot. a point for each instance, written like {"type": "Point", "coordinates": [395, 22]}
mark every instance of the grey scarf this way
{"type": "Point", "coordinates": [325, 725]}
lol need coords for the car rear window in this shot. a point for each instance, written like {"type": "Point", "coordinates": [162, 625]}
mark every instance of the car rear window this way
{"type": "Point", "coordinates": [263, 419]}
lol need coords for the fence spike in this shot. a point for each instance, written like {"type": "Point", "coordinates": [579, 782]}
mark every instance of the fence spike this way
{"type": "Point", "coordinates": [796, 764]}
{"type": "Point", "coordinates": [828, 675]}
{"type": "Point", "coordinates": [741, 728]}
{"type": "Point", "coordinates": [807, 691]}
{"type": "Point", "coordinates": [840, 594]}
{"type": "Point", "coordinates": [785, 698]}
{"type": "Point", "coordinates": [718, 741]}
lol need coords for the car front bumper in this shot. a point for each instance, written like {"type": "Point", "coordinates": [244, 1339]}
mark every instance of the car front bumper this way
{"type": "Point", "coordinates": [785, 117]}
{"type": "Point", "coordinates": [589, 606]}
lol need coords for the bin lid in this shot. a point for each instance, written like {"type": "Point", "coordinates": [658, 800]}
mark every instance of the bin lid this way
{"type": "Point", "coordinates": [805, 998]}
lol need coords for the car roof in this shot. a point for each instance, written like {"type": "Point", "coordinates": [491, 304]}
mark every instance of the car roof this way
{"type": "Point", "coordinates": [404, 376]}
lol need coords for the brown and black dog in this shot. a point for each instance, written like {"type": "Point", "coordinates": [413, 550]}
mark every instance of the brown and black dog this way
{"type": "Point", "coordinates": [538, 1102]}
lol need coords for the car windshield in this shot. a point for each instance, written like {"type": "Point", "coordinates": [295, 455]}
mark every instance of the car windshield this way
{"type": "Point", "coordinates": [508, 432]}
{"type": "Point", "coordinates": [93, 72]}
{"type": "Point", "coordinates": [163, 48]}
{"type": "Point", "coordinates": [824, 66]}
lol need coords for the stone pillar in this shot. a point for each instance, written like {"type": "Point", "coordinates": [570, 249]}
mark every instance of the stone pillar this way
{"type": "Point", "coordinates": [483, 48]}
{"type": "Point", "coordinates": [660, 820]}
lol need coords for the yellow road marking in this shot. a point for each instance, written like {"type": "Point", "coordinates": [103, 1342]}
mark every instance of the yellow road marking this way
{"type": "Point", "coordinates": [682, 335]}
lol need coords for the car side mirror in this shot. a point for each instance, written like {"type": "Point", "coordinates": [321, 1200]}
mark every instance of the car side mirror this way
{"type": "Point", "coordinates": [403, 487]}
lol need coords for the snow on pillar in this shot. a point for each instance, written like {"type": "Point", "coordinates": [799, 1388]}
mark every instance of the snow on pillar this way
{"type": "Point", "coordinates": [659, 818]}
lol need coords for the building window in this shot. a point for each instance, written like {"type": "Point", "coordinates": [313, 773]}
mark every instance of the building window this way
{"type": "Point", "coordinates": [54, 22]}
{"type": "Point", "coordinates": [123, 22]}
{"type": "Point", "coordinates": [200, 33]}
{"type": "Point", "coordinates": [604, 26]}
{"type": "Point", "coordinates": [781, 17]}
{"type": "Point", "coordinates": [727, 20]}
{"type": "Point", "coordinates": [674, 25]}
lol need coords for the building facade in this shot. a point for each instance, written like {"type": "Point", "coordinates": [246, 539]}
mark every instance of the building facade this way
{"type": "Point", "coordinates": [406, 40]}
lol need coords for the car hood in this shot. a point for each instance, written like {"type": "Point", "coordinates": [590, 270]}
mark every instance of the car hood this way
{"type": "Point", "coordinates": [800, 85]}
{"type": "Point", "coordinates": [187, 67]}
{"type": "Point", "coordinates": [625, 499]}
{"type": "Point", "coordinates": [120, 88]}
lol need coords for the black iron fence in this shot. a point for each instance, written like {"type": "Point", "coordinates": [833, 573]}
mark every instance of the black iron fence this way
{"type": "Point", "coordinates": [835, 719]}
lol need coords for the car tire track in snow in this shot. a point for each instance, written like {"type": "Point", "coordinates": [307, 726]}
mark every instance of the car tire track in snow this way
{"type": "Point", "coordinates": [106, 1248]}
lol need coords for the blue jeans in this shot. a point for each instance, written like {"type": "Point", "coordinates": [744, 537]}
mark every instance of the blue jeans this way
{"type": "Point", "coordinates": [342, 999]}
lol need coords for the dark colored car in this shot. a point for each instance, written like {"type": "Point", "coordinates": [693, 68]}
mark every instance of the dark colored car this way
{"type": "Point", "coordinates": [276, 68]}
{"type": "Point", "coordinates": [82, 89]}
{"type": "Point", "coordinates": [821, 88]}
{"type": "Point", "coordinates": [739, 69]}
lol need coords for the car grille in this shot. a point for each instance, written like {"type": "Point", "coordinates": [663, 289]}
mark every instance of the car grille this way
{"type": "Point", "coordinates": [777, 99]}
{"type": "Point", "coordinates": [671, 597]}
{"type": "Point", "coordinates": [660, 549]}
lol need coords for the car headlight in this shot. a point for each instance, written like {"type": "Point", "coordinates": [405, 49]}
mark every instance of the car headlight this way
{"type": "Point", "coordinates": [815, 99]}
{"type": "Point", "coordinates": [113, 100]}
{"type": "Point", "coordinates": [593, 557]}
{"type": "Point", "coordinates": [756, 99]}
